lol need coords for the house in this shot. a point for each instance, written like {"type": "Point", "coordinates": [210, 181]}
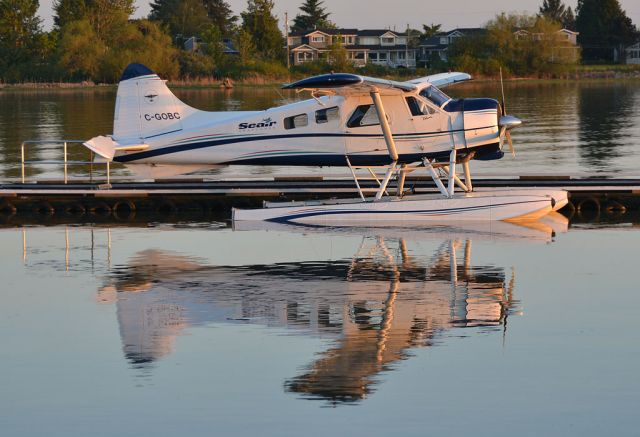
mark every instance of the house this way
{"type": "Point", "coordinates": [380, 47]}
{"type": "Point", "coordinates": [195, 44]}
{"type": "Point", "coordinates": [437, 46]}
{"type": "Point", "coordinates": [564, 35]}
{"type": "Point", "coordinates": [633, 54]}
{"type": "Point", "coordinates": [567, 40]}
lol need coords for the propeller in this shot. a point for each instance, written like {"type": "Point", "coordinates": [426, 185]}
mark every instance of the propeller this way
{"type": "Point", "coordinates": [506, 122]}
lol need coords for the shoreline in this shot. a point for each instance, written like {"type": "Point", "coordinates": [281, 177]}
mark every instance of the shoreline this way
{"type": "Point", "coordinates": [630, 72]}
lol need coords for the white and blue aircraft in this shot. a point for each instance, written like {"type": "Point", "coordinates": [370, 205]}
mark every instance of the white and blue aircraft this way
{"type": "Point", "coordinates": [351, 120]}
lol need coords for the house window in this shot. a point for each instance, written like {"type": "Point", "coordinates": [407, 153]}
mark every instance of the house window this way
{"type": "Point", "coordinates": [382, 56]}
{"type": "Point", "coordinates": [373, 56]}
{"type": "Point", "coordinates": [359, 55]}
{"type": "Point", "coordinates": [305, 56]}
{"type": "Point", "coordinates": [388, 40]}
{"type": "Point", "coordinates": [327, 115]}
{"type": "Point", "coordinates": [350, 40]}
{"type": "Point", "coordinates": [317, 39]}
{"type": "Point", "coordinates": [364, 115]}
{"type": "Point", "coordinates": [295, 121]}
{"type": "Point", "coordinates": [401, 55]}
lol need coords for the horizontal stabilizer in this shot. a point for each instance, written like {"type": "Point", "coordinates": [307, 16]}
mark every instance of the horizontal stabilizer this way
{"type": "Point", "coordinates": [103, 146]}
{"type": "Point", "coordinates": [442, 80]}
{"type": "Point", "coordinates": [107, 148]}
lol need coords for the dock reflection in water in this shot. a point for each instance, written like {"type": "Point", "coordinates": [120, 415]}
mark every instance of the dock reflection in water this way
{"type": "Point", "coordinates": [376, 306]}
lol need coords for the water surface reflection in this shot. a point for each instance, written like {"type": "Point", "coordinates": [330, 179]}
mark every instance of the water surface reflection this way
{"type": "Point", "coordinates": [400, 289]}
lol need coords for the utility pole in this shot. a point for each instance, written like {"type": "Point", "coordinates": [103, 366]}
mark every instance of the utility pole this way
{"type": "Point", "coordinates": [406, 48]}
{"type": "Point", "coordinates": [286, 33]}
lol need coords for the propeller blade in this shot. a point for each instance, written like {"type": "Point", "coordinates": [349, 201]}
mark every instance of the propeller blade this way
{"type": "Point", "coordinates": [513, 150]}
{"type": "Point", "coordinates": [503, 106]}
{"type": "Point", "coordinates": [503, 130]}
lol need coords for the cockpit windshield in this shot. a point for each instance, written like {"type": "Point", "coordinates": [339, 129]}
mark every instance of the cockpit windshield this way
{"type": "Point", "coordinates": [435, 95]}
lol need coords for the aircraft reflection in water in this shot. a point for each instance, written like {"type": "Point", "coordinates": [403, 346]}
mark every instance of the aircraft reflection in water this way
{"type": "Point", "coordinates": [377, 305]}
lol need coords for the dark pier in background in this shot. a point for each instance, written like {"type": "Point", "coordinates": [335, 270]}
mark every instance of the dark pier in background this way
{"type": "Point", "coordinates": [54, 201]}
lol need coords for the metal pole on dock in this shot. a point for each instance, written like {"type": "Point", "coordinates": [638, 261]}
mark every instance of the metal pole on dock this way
{"type": "Point", "coordinates": [22, 161]}
{"type": "Point", "coordinates": [65, 162]}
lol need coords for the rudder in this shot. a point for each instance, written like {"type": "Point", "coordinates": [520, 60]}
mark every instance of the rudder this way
{"type": "Point", "coordinates": [145, 107]}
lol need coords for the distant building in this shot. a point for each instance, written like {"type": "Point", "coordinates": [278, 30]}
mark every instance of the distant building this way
{"type": "Point", "coordinates": [567, 48]}
{"type": "Point", "coordinates": [195, 44]}
{"type": "Point", "coordinates": [375, 46]}
{"type": "Point", "coordinates": [633, 54]}
{"type": "Point", "coordinates": [437, 46]}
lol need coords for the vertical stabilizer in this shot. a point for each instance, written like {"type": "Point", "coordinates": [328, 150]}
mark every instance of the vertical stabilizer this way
{"type": "Point", "coordinates": [145, 107]}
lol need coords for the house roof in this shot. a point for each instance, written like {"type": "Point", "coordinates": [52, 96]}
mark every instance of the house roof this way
{"type": "Point", "coordinates": [379, 32]}
{"type": "Point", "coordinates": [378, 47]}
{"type": "Point", "coordinates": [341, 31]}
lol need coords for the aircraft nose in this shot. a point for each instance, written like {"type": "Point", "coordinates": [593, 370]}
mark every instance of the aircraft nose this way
{"type": "Point", "coordinates": [509, 122]}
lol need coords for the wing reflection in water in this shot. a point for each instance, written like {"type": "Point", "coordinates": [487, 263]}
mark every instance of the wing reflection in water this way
{"type": "Point", "coordinates": [376, 306]}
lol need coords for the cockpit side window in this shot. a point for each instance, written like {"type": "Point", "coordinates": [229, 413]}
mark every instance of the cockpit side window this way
{"type": "Point", "coordinates": [419, 107]}
{"type": "Point", "coordinates": [434, 95]}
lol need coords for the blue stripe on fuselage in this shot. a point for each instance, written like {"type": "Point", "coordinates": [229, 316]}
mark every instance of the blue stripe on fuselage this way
{"type": "Point", "coordinates": [213, 143]}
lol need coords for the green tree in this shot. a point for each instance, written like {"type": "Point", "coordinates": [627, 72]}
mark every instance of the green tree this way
{"type": "Point", "coordinates": [604, 29]}
{"type": "Point", "coordinates": [430, 30]}
{"type": "Point", "coordinates": [66, 11]}
{"type": "Point", "coordinates": [338, 57]}
{"type": "Point", "coordinates": [245, 47]}
{"type": "Point", "coordinates": [186, 18]}
{"type": "Point", "coordinates": [259, 21]}
{"type": "Point", "coordinates": [314, 16]}
{"type": "Point", "coordinates": [101, 56]}
{"type": "Point", "coordinates": [212, 37]}
{"type": "Point", "coordinates": [569, 19]}
{"type": "Point", "coordinates": [20, 35]}
{"type": "Point", "coordinates": [540, 50]}
{"type": "Point", "coordinates": [221, 15]}
{"type": "Point", "coordinates": [553, 10]}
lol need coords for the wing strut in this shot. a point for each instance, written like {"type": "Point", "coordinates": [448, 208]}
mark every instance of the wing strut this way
{"type": "Point", "coordinates": [388, 138]}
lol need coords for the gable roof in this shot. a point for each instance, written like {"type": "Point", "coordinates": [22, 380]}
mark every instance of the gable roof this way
{"type": "Point", "coordinates": [341, 31]}
{"type": "Point", "coordinates": [379, 32]}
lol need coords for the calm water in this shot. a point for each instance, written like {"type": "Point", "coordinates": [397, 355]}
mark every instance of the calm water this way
{"type": "Point", "coordinates": [582, 128]}
{"type": "Point", "coordinates": [205, 330]}
{"type": "Point", "coordinates": [201, 329]}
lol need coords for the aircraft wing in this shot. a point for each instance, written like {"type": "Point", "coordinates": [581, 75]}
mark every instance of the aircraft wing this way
{"type": "Point", "coordinates": [346, 83]}
{"type": "Point", "coordinates": [443, 79]}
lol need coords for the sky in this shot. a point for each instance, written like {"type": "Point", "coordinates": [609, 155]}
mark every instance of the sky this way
{"type": "Point", "coordinates": [393, 14]}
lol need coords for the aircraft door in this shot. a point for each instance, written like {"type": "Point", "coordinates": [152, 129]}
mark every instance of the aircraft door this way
{"type": "Point", "coordinates": [430, 125]}
{"type": "Point", "coordinates": [365, 140]}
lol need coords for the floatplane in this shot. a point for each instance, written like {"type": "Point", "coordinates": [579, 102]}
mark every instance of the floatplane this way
{"type": "Point", "coordinates": [385, 129]}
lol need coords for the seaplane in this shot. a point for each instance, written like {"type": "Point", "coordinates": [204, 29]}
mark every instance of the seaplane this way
{"type": "Point", "coordinates": [380, 129]}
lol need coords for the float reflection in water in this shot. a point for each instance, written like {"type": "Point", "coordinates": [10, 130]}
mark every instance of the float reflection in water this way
{"type": "Point", "coordinates": [390, 296]}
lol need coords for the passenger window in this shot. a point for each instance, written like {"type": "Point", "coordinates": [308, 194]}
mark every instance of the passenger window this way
{"type": "Point", "coordinates": [418, 107]}
{"type": "Point", "coordinates": [301, 120]}
{"type": "Point", "coordinates": [327, 115]}
{"type": "Point", "coordinates": [364, 115]}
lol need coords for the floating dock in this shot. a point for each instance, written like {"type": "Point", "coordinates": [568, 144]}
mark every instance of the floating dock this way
{"type": "Point", "coordinates": [200, 198]}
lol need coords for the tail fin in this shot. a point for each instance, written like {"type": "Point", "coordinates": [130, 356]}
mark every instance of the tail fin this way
{"type": "Point", "coordinates": [145, 107]}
